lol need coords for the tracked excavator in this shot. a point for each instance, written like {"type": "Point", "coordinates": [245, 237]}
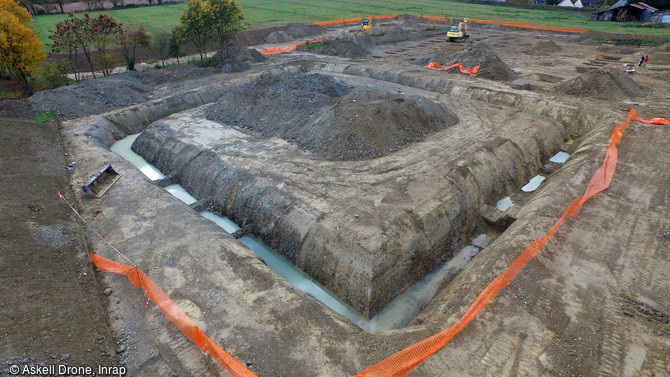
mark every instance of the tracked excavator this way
{"type": "Point", "coordinates": [365, 25]}
{"type": "Point", "coordinates": [458, 33]}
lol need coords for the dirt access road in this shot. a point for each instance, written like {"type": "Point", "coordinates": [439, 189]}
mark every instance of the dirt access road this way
{"type": "Point", "coordinates": [594, 301]}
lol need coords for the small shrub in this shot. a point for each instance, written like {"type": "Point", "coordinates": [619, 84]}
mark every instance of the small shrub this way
{"type": "Point", "coordinates": [6, 94]}
{"type": "Point", "coordinates": [51, 75]}
{"type": "Point", "coordinates": [212, 61]}
{"type": "Point", "coordinates": [44, 117]}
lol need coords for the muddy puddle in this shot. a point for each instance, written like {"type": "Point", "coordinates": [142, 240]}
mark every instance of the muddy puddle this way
{"type": "Point", "coordinates": [395, 315]}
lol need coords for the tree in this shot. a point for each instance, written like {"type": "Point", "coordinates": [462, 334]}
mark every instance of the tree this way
{"type": "Point", "coordinates": [226, 20]}
{"type": "Point", "coordinates": [203, 20]}
{"type": "Point", "coordinates": [129, 38]}
{"type": "Point", "coordinates": [80, 34]}
{"type": "Point", "coordinates": [195, 25]}
{"type": "Point", "coordinates": [104, 32]}
{"type": "Point", "coordinates": [60, 4]}
{"type": "Point", "coordinates": [175, 43]}
{"type": "Point", "coordinates": [20, 49]}
{"type": "Point", "coordinates": [160, 44]}
{"type": "Point", "coordinates": [63, 39]}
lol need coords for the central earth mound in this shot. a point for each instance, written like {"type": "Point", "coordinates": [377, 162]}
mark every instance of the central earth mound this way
{"type": "Point", "coordinates": [322, 115]}
{"type": "Point", "coordinates": [602, 84]}
{"type": "Point", "coordinates": [491, 66]}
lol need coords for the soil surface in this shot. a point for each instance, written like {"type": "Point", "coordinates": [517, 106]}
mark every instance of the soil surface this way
{"type": "Point", "coordinates": [53, 308]}
{"type": "Point", "coordinates": [595, 301]}
{"type": "Point", "coordinates": [329, 118]}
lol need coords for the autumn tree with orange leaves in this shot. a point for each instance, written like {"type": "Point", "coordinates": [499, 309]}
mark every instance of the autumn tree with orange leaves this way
{"type": "Point", "coordinates": [20, 49]}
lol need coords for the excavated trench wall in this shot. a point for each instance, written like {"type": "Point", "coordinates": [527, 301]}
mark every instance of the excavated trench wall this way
{"type": "Point", "coordinates": [411, 239]}
{"type": "Point", "coordinates": [415, 241]}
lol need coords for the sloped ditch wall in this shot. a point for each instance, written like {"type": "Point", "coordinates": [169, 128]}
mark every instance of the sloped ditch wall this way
{"type": "Point", "coordinates": [410, 241]}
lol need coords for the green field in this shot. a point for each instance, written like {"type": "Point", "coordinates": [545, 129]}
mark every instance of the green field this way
{"type": "Point", "coordinates": [262, 12]}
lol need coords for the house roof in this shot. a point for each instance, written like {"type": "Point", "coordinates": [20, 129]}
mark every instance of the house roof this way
{"type": "Point", "coordinates": [642, 5]}
{"type": "Point", "coordinates": [620, 3]}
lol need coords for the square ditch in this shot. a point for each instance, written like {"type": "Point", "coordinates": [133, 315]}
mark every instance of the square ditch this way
{"type": "Point", "coordinates": [365, 191]}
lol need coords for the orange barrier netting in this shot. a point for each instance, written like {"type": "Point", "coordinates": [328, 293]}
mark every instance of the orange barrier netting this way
{"type": "Point", "coordinates": [291, 48]}
{"type": "Point", "coordinates": [357, 19]}
{"type": "Point", "coordinates": [278, 49]}
{"type": "Point", "coordinates": [176, 315]}
{"type": "Point", "coordinates": [513, 24]}
{"type": "Point", "coordinates": [405, 361]}
{"type": "Point", "coordinates": [472, 71]}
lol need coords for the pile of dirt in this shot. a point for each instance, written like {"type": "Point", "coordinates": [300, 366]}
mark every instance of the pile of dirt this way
{"type": "Point", "coordinates": [491, 66]}
{"type": "Point", "coordinates": [116, 91]}
{"type": "Point", "coordinates": [349, 47]}
{"type": "Point", "coordinates": [662, 58]}
{"type": "Point", "coordinates": [239, 58]}
{"type": "Point", "coordinates": [297, 30]}
{"type": "Point", "coordinates": [545, 45]}
{"type": "Point", "coordinates": [324, 116]}
{"type": "Point", "coordinates": [602, 84]}
{"type": "Point", "coordinates": [278, 36]}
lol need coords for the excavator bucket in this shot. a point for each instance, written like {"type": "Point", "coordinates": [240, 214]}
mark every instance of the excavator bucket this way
{"type": "Point", "coordinates": [100, 182]}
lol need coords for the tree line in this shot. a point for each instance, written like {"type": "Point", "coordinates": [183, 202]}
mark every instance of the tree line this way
{"type": "Point", "coordinates": [52, 6]}
{"type": "Point", "coordinates": [95, 38]}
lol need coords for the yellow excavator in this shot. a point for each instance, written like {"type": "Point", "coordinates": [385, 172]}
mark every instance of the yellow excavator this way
{"type": "Point", "coordinates": [458, 33]}
{"type": "Point", "coordinates": [366, 24]}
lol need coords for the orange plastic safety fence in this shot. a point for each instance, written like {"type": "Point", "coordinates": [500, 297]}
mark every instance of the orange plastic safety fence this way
{"type": "Point", "coordinates": [513, 24]}
{"type": "Point", "coordinates": [176, 315]}
{"type": "Point", "coordinates": [472, 71]}
{"type": "Point", "coordinates": [284, 50]}
{"type": "Point", "coordinates": [404, 362]}
{"type": "Point", "coordinates": [357, 19]}
{"type": "Point", "coordinates": [279, 49]}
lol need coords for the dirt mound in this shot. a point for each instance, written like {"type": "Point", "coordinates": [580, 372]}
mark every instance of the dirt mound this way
{"type": "Point", "coordinates": [91, 96]}
{"type": "Point", "coordinates": [603, 84]}
{"type": "Point", "coordinates": [350, 47]}
{"type": "Point", "coordinates": [113, 92]}
{"type": "Point", "coordinates": [412, 24]}
{"type": "Point", "coordinates": [491, 66]}
{"type": "Point", "coordinates": [546, 45]}
{"type": "Point", "coordinates": [239, 58]}
{"type": "Point", "coordinates": [297, 30]}
{"type": "Point", "coordinates": [322, 115]}
{"type": "Point", "coordinates": [278, 37]}
{"type": "Point", "coordinates": [664, 48]}
{"type": "Point", "coordinates": [662, 58]}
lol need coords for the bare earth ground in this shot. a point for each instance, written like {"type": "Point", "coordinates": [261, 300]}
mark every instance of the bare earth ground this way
{"type": "Point", "coordinates": [594, 302]}
{"type": "Point", "coordinates": [53, 309]}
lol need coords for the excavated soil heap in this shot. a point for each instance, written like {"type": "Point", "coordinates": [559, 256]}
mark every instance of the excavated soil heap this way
{"type": "Point", "coordinates": [113, 92]}
{"type": "Point", "coordinates": [346, 48]}
{"type": "Point", "coordinates": [239, 58]}
{"type": "Point", "coordinates": [491, 66]}
{"type": "Point", "coordinates": [603, 84]}
{"type": "Point", "coordinates": [546, 45]}
{"type": "Point", "coordinates": [662, 58]}
{"type": "Point", "coordinates": [324, 116]}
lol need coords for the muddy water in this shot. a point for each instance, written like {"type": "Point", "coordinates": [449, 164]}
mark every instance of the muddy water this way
{"type": "Point", "coordinates": [122, 147]}
{"type": "Point", "coordinates": [396, 315]}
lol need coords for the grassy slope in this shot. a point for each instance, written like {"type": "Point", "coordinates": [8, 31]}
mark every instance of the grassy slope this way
{"type": "Point", "coordinates": [260, 12]}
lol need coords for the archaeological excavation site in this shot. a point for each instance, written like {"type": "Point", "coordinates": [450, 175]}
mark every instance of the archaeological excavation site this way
{"type": "Point", "coordinates": [317, 211]}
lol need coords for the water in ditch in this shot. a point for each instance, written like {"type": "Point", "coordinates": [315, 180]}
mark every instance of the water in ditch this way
{"type": "Point", "coordinates": [396, 315]}
{"type": "Point", "coordinates": [122, 147]}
